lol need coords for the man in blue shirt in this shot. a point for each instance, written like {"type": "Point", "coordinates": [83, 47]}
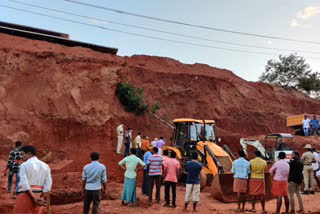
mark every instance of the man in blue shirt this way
{"type": "Point", "coordinates": [193, 168]}
{"type": "Point", "coordinates": [240, 169]}
{"type": "Point", "coordinates": [94, 174]}
{"type": "Point", "coordinates": [145, 180]}
{"type": "Point", "coordinates": [314, 125]}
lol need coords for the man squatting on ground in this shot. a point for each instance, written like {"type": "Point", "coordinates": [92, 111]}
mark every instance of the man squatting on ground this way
{"type": "Point", "coordinates": [193, 169]}
{"type": "Point", "coordinates": [240, 169]}
{"type": "Point", "coordinates": [35, 183]}
{"type": "Point", "coordinates": [93, 175]}
{"type": "Point", "coordinates": [14, 162]}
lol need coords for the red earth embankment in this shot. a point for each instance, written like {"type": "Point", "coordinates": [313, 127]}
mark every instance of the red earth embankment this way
{"type": "Point", "coordinates": [62, 100]}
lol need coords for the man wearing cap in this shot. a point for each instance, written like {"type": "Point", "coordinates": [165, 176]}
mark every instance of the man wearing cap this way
{"type": "Point", "coordinates": [305, 125]}
{"type": "Point", "coordinates": [120, 137]}
{"type": "Point", "coordinates": [308, 158]}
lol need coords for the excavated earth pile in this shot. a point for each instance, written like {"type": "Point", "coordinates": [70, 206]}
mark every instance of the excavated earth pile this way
{"type": "Point", "coordinates": [62, 100]}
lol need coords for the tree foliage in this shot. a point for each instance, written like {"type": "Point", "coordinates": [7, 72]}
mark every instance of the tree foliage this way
{"type": "Point", "coordinates": [291, 71]}
{"type": "Point", "coordinates": [131, 97]}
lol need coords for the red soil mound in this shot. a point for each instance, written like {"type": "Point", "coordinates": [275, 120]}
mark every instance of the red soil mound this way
{"type": "Point", "coordinates": [62, 100]}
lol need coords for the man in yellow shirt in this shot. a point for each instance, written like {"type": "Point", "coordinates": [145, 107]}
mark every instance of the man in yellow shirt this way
{"type": "Point", "coordinates": [256, 182]}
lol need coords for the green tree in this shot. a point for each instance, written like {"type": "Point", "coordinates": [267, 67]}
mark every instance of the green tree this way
{"type": "Point", "coordinates": [292, 71]}
{"type": "Point", "coordinates": [286, 72]}
{"type": "Point", "coordinates": [131, 97]}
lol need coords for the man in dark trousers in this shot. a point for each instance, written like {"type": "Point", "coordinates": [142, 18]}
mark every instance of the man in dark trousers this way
{"type": "Point", "coordinates": [295, 181]}
{"type": "Point", "coordinates": [93, 175]}
{"type": "Point", "coordinates": [155, 165]}
{"type": "Point", "coordinates": [14, 162]}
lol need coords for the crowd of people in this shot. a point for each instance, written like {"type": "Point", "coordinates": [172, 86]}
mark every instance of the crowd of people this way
{"type": "Point", "coordinates": [287, 179]}
{"type": "Point", "coordinates": [33, 177]}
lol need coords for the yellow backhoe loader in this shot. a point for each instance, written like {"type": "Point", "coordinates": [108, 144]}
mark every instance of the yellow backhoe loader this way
{"type": "Point", "coordinates": [192, 135]}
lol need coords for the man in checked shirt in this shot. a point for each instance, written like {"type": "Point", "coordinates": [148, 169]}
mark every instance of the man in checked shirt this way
{"type": "Point", "coordinates": [14, 162]}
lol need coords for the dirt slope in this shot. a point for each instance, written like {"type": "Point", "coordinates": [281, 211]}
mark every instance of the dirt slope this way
{"type": "Point", "coordinates": [63, 101]}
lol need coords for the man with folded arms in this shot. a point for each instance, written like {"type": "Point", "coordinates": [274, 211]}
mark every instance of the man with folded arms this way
{"type": "Point", "coordinates": [35, 183]}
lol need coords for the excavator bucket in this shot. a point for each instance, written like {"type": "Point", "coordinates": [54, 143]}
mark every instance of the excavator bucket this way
{"type": "Point", "coordinates": [222, 188]}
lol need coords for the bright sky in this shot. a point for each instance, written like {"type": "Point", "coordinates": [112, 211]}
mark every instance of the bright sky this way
{"type": "Point", "coordinates": [294, 19]}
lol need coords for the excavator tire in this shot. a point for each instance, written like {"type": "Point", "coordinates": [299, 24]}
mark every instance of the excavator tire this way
{"type": "Point", "coordinates": [203, 180]}
{"type": "Point", "coordinates": [222, 188]}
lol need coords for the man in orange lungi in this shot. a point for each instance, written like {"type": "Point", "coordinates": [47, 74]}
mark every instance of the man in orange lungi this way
{"type": "Point", "coordinates": [240, 169]}
{"type": "Point", "coordinates": [256, 181]}
{"type": "Point", "coordinates": [280, 170]}
{"type": "Point", "coordinates": [35, 183]}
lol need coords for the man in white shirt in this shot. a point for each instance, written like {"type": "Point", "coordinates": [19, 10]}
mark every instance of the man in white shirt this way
{"type": "Point", "coordinates": [120, 137]}
{"type": "Point", "coordinates": [93, 175]}
{"type": "Point", "coordinates": [315, 165]}
{"type": "Point", "coordinates": [138, 143]}
{"type": "Point", "coordinates": [35, 183]}
{"type": "Point", "coordinates": [305, 125]}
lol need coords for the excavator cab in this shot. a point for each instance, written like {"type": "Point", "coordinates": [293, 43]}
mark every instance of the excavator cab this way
{"type": "Point", "coordinates": [276, 143]}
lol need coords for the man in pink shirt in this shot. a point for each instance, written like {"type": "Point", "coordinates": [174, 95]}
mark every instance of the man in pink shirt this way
{"type": "Point", "coordinates": [280, 170]}
{"type": "Point", "coordinates": [171, 168]}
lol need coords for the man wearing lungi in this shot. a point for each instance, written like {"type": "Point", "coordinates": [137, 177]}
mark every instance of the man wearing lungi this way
{"type": "Point", "coordinates": [129, 186]}
{"type": "Point", "coordinates": [256, 181]}
{"type": "Point", "coordinates": [35, 183]}
{"type": "Point", "coordinates": [240, 169]}
{"type": "Point", "coordinates": [280, 170]}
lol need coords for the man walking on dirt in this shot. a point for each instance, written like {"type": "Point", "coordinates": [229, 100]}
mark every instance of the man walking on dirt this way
{"type": "Point", "coordinates": [305, 125]}
{"type": "Point", "coordinates": [155, 164]}
{"type": "Point", "coordinates": [240, 169]}
{"type": "Point", "coordinates": [120, 137]}
{"type": "Point", "coordinates": [295, 181]}
{"type": "Point", "coordinates": [308, 158]}
{"type": "Point", "coordinates": [256, 181]}
{"type": "Point", "coordinates": [280, 170]}
{"type": "Point", "coordinates": [14, 162]}
{"type": "Point", "coordinates": [35, 183]}
{"type": "Point", "coordinates": [193, 169]}
{"type": "Point", "coordinates": [93, 175]}
{"type": "Point", "coordinates": [127, 141]}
